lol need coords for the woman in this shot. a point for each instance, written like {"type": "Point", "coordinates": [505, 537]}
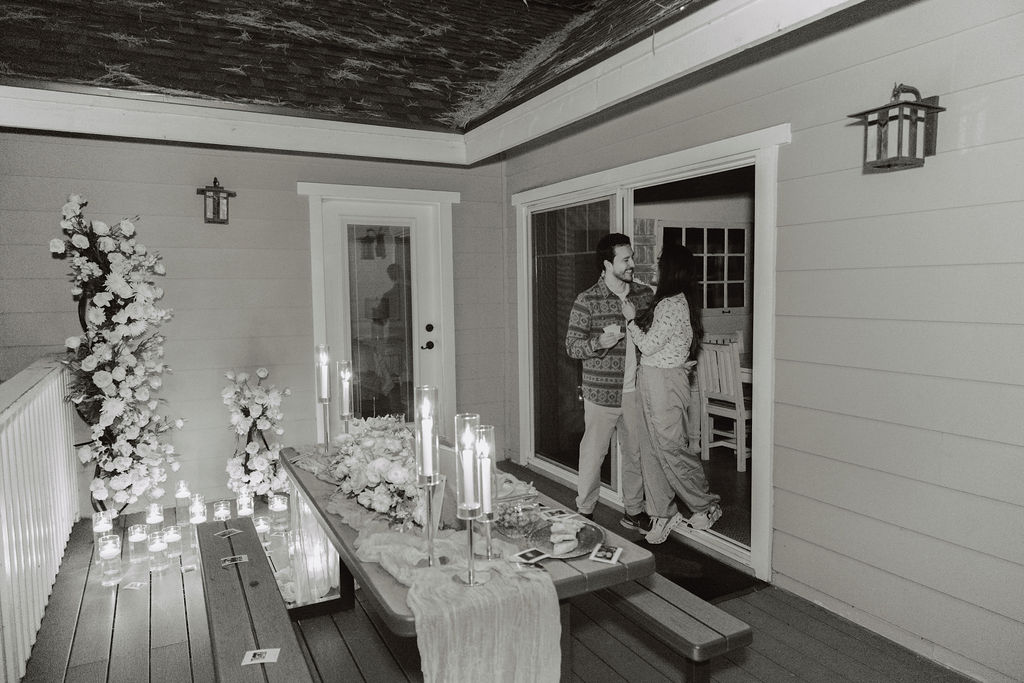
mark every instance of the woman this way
{"type": "Point", "coordinates": [668, 335]}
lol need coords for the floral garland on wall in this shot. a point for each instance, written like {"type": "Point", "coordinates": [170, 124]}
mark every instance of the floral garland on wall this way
{"type": "Point", "coordinates": [255, 410]}
{"type": "Point", "coordinates": [116, 364]}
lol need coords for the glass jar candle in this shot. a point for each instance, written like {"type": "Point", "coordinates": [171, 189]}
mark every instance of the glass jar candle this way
{"type": "Point", "coordinates": [222, 510]}
{"type": "Point", "coordinates": [158, 560]}
{"type": "Point", "coordinates": [138, 550]}
{"type": "Point", "coordinates": [154, 514]}
{"type": "Point", "coordinates": [262, 525]}
{"type": "Point", "coordinates": [172, 537]}
{"type": "Point", "coordinates": [110, 559]}
{"type": "Point", "coordinates": [278, 505]}
{"type": "Point", "coordinates": [182, 499]}
{"type": "Point", "coordinates": [244, 504]}
{"type": "Point", "coordinates": [102, 525]}
{"type": "Point", "coordinates": [197, 509]}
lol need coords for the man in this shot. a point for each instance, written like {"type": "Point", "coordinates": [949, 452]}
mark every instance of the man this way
{"type": "Point", "coordinates": [597, 337]}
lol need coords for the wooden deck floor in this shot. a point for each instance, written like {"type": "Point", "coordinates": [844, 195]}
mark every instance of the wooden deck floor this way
{"type": "Point", "coordinates": [158, 632]}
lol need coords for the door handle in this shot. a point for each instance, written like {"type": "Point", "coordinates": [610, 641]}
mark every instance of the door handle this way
{"type": "Point", "coordinates": [429, 345]}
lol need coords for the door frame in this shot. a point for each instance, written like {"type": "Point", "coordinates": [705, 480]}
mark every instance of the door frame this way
{"type": "Point", "coordinates": [758, 149]}
{"type": "Point", "coordinates": [392, 201]}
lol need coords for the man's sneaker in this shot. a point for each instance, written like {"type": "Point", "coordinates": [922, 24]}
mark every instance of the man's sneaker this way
{"type": "Point", "coordinates": [640, 522]}
{"type": "Point", "coordinates": [662, 527]}
{"type": "Point", "coordinates": [586, 515]}
{"type": "Point", "coordinates": [704, 519]}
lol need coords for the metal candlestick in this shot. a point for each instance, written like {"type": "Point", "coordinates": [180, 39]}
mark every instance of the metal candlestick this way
{"type": "Point", "coordinates": [428, 490]}
{"type": "Point", "coordinates": [326, 407]}
{"type": "Point", "coordinates": [472, 578]}
{"type": "Point", "coordinates": [488, 552]}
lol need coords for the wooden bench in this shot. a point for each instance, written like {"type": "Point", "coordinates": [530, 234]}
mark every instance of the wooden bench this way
{"type": "Point", "coordinates": [684, 623]}
{"type": "Point", "coordinates": [245, 609]}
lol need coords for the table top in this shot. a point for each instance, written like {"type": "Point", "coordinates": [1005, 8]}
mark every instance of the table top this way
{"type": "Point", "coordinates": [570, 577]}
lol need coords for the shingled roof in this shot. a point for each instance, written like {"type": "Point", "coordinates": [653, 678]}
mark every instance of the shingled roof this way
{"type": "Point", "coordinates": [444, 65]}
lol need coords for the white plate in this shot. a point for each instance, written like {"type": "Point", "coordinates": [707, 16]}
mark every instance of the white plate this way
{"type": "Point", "coordinates": [589, 537]}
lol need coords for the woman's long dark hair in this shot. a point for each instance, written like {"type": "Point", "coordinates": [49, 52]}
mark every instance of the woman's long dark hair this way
{"type": "Point", "coordinates": [677, 274]}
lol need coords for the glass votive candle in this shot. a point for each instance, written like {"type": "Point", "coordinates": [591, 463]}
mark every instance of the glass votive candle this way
{"type": "Point", "coordinates": [197, 509]}
{"type": "Point", "coordinates": [154, 514]}
{"type": "Point", "coordinates": [262, 525]}
{"type": "Point", "coordinates": [101, 526]}
{"type": "Point", "coordinates": [182, 499]}
{"type": "Point", "coordinates": [110, 559]}
{"type": "Point", "coordinates": [244, 504]}
{"type": "Point", "coordinates": [158, 560]}
{"type": "Point", "coordinates": [278, 505]}
{"type": "Point", "coordinates": [172, 537]}
{"type": "Point", "coordinates": [138, 535]}
{"type": "Point", "coordinates": [222, 510]}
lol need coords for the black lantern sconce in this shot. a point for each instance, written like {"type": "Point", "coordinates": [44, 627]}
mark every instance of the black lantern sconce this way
{"type": "Point", "coordinates": [900, 134]}
{"type": "Point", "coordinates": [215, 202]}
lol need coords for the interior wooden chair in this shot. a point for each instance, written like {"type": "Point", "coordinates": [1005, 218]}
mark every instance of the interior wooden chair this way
{"type": "Point", "coordinates": [721, 396]}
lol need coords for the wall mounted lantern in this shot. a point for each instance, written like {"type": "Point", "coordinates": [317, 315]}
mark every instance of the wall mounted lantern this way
{"type": "Point", "coordinates": [215, 202]}
{"type": "Point", "coordinates": [899, 134]}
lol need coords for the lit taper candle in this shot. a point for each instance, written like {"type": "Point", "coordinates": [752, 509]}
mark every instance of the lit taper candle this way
{"type": "Point", "coordinates": [485, 463]}
{"type": "Point", "coordinates": [466, 473]}
{"type": "Point", "coordinates": [426, 434]}
{"type": "Point", "coordinates": [323, 373]}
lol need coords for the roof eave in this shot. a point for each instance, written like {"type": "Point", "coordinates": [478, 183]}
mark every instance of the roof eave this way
{"type": "Point", "coordinates": [719, 30]}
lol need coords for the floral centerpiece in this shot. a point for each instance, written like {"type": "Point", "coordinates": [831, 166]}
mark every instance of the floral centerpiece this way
{"type": "Point", "coordinates": [376, 466]}
{"type": "Point", "coordinates": [255, 410]}
{"type": "Point", "coordinates": [116, 363]}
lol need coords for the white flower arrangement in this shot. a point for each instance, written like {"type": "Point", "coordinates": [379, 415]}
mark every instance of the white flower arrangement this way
{"type": "Point", "coordinates": [116, 364]}
{"type": "Point", "coordinates": [375, 464]}
{"type": "Point", "coordinates": [255, 410]}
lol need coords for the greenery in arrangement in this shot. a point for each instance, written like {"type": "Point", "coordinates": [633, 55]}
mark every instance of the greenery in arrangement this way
{"type": "Point", "coordinates": [255, 410]}
{"type": "Point", "coordinates": [116, 364]}
{"type": "Point", "coordinates": [375, 464]}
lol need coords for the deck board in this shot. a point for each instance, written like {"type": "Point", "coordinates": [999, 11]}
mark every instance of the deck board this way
{"type": "Point", "coordinates": [52, 649]}
{"type": "Point", "coordinates": [794, 639]}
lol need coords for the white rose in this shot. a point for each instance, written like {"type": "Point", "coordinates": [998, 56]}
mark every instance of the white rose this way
{"type": "Point", "coordinates": [85, 454]}
{"type": "Point", "coordinates": [80, 240]}
{"type": "Point", "coordinates": [72, 342]}
{"type": "Point", "coordinates": [100, 228]}
{"type": "Point", "coordinates": [106, 244]}
{"type": "Point", "coordinates": [262, 373]}
{"type": "Point", "coordinates": [102, 299]}
{"type": "Point", "coordinates": [102, 379]}
{"type": "Point", "coordinates": [71, 209]}
{"type": "Point", "coordinates": [56, 246]}
{"type": "Point", "coordinates": [89, 363]}
{"type": "Point", "coordinates": [127, 229]}
{"type": "Point", "coordinates": [159, 269]}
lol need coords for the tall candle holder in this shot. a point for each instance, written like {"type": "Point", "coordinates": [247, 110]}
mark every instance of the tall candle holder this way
{"type": "Point", "coordinates": [345, 386]}
{"type": "Point", "coordinates": [467, 487]}
{"type": "Point", "coordinates": [323, 390]}
{"type": "Point", "coordinates": [485, 466]}
{"type": "Point", "coordinates": [182, 498]}
{"type": "Point", "coordinates": [427, 444]}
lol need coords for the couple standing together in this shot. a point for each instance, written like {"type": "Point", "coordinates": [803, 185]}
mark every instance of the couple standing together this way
{"type": "Point", "coordinates": [646, 396]}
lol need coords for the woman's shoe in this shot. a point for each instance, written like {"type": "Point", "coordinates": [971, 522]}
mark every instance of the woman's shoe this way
{"type": "Point", "coordinates": [662, 527]}
{"type": "Point", "coordinates": [703, 520]}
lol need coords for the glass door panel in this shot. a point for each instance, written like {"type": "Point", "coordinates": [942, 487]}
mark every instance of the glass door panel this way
{"type": "Point", "coordinates": [380, 292]}
{"type": "Point", "coordinates": [563, 242]}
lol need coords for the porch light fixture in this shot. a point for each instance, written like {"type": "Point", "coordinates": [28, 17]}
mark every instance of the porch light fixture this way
{"type": "Point", "coordinates": [215, 202]}
{"type": "Point", "coordinates": [900, 134]}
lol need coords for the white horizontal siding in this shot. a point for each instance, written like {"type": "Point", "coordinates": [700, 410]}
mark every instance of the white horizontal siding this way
{"type": "Point", "coordinates": [899, 391]}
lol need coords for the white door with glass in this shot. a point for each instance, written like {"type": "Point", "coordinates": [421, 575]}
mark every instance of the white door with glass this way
{"type": "Point", "coordinates": [382, 289]}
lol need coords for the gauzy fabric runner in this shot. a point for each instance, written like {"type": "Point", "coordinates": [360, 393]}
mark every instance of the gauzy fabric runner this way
{"type": "Point", "coordinates": [506, 629]}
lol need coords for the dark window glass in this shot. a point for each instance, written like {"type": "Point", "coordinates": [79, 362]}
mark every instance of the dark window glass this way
{"type": "Point", "coordinates": [736, 245]}
{"type": "Point", "coordinates": [695, 240]}
{"type": "Point", "coordinates": [716, 240]}
{"type": "Point", "coordinates": [734, 268]}
{"type": "Point", "coordinates": [735, 295]}
{"type": "Point", "coordinates": [716, 268]}
{"type": "Point", "coordinates": [716, 296]}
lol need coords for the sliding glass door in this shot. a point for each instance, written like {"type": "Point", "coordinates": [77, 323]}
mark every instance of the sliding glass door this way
{"type": "Point", "coordinates": [562, 243]}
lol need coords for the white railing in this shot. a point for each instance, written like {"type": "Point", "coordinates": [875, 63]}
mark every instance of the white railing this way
{"type": "Point", "coordinates": [38, 502]}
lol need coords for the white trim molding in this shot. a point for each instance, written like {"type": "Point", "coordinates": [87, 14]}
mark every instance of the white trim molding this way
{"type": "Point", "coordinates": [758, 149]}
